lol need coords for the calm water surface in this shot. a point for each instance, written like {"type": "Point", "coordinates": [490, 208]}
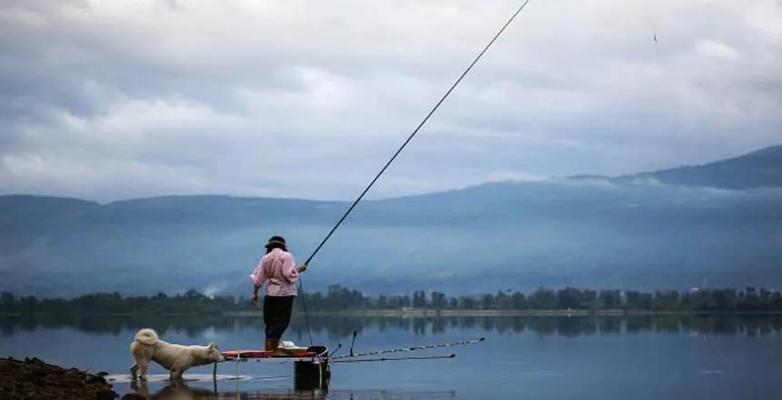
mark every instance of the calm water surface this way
{"type": "Point", "coordinates": [685, 357]}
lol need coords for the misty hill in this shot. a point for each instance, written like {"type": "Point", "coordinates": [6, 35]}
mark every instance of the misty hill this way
{"type": "Point", "coordinates": [508, 235]}
{"type": "Point", "coordinates": [761, 168]}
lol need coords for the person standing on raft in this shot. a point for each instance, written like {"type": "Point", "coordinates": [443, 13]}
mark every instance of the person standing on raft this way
{"type": "Point", "coordinates": [279, 271]}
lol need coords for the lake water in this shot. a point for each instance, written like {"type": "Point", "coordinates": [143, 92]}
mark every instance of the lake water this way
{"type": "Point", "coordinates": [643, 357]}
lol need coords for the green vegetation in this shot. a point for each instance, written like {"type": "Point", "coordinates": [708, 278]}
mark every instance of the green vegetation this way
{"type": "Point", "coordinates": [749, 299]}
{"type": "Point", "coordinates": [341, 299]}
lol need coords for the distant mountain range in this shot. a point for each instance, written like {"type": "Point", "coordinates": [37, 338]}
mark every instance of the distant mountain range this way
{"type": "Point", "coordinates": [761, 168]}
{"type": "Point", "coordinates": [717, 224]}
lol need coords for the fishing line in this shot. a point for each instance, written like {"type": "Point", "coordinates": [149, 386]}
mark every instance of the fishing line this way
{"type": "Point", "coordinates": [304, 310]}
{"type": "Point", "coordinates": [404, 144]}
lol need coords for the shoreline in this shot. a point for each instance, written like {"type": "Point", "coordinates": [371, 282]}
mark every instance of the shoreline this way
{"type": "Point", "coordinates": [404, 313]}
{"type": "Point", "coordinates": [428, 313]}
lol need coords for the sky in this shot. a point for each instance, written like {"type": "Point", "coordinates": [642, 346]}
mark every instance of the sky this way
{"type": "Point", "coordinates": [108, 100]}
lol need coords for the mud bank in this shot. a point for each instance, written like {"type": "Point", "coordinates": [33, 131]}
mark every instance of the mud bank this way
{"type": "Point", "coordinates": [32, 378]}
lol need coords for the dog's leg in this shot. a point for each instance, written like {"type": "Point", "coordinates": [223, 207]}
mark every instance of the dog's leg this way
{"type": "Point", "coordinates": [176, 374]}
{"type": "Point", "coordinates": [133, 371]}
{"type": "Point", "coordinates": [144, 364]}
{"type": "Point", "coordinates": [140, 387]}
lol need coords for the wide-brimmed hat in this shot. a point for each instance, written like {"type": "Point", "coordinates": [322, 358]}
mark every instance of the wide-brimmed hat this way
{"type": "Point", "coordinates": [276, 241]}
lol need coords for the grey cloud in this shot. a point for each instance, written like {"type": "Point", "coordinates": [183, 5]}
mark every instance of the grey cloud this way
{"type": "Point", "coordinates": [125, 99]}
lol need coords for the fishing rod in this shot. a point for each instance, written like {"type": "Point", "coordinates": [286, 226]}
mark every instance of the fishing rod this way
{"type": "Point", "coordinates": [415, 131]}
{"type": "Point", "coordinates": [406, 349]}
{"type": "Point", "coordinates": [398, 151]}
{"type": "Point", "coordinates": [452, 355]}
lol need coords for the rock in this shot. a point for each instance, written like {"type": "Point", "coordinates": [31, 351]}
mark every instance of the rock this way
{"type": "Point", "coordinates": [133, 396]}
{"type": "Point", "coordinates": [106, 394]}
{"type": "Point", "coordinates": [95, 379]}
{"type": "Point", "coordinates": [35, 379]}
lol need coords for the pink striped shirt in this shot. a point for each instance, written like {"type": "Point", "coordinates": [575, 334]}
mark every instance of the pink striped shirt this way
{"type": "Point", "coordinates": [279, 269]}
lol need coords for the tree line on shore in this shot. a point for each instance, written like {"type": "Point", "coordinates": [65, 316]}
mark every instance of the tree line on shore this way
{"type": "Point", "coordinates": [338, 298]}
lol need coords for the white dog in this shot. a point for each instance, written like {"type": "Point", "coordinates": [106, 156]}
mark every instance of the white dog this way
{"type": "Point", "coordinates": [175, 358]}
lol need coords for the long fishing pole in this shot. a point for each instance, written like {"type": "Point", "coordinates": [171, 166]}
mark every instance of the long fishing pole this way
{"type": "Point", "coordinates": [452, 355]}
{"type": "Point", "coordinates": [399, 150]}
{"type": "Point", "coordinates": [412, 348]}
{"type": "Point", "coordinates": [415, 131]}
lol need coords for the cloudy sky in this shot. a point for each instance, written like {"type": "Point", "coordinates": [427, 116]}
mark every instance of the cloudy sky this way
{"type": "Point", "coordinates": [107, 100]}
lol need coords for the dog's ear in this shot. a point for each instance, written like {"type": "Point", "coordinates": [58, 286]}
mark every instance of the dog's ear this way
{"type": "Point", "coordinates": [211, 346]}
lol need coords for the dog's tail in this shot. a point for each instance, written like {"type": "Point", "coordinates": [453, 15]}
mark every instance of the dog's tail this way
{"type": "Point", "coordinates": [147, 337]}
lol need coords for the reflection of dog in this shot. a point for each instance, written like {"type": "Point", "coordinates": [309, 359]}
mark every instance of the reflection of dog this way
{"type": "Point", "coordinates": [175, 358]}
{"type": "Point", "coordinates": [176, 390]}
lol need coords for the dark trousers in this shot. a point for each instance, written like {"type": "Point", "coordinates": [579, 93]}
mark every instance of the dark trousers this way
{"type": "Point", "coordinates": [277, 315]}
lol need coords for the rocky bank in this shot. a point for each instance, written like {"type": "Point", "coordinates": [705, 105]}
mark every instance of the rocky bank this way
{"type": "Point", "coordinates": [32, 378]}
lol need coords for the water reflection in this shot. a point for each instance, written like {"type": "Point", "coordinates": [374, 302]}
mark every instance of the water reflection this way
{"type": "Point", "coordinates": [718, 356]}
{"type": "Point", "coordinates": [183, 391]}
{"type": "Point", "coordinates": [179, 390]}
{"type": "Point", "coordinates": [339, 327]}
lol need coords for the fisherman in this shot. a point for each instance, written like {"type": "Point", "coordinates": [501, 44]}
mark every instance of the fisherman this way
{"type": "Point", "coordinates": [280, 271]}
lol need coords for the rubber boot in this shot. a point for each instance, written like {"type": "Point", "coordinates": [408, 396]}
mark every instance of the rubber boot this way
{"type": "Point", "coordinates": [273, 345]}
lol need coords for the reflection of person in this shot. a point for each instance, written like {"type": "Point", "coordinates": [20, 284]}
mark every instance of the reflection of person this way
{"type": "Point", "coordinates": [278, 270]}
